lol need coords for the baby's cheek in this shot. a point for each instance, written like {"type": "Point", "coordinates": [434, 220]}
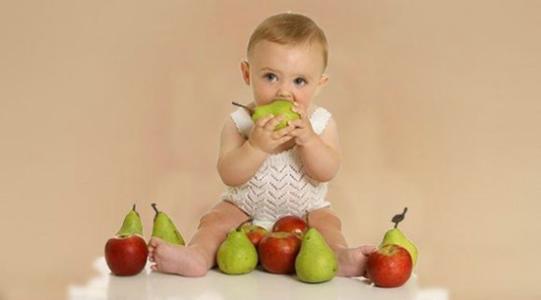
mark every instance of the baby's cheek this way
{"type": "Point", "coordinates": [304, 103]}
{"type": "Point", "coordinates": [262, 95]}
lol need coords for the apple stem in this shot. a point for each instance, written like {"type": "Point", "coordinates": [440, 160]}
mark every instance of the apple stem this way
{"type": "Point", "coordinates": [251, 111]}
{"type": "Point", "coordinates": [399, 218]}
{"type": "Point", "coordinates": [247, 221]}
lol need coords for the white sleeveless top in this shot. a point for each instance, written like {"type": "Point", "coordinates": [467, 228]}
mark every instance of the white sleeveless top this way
{"type": "Point", "coordinates": [280, 186]}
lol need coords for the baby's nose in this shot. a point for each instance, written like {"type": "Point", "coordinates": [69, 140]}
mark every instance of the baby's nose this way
{"type": "Point", "coordinates": [284, 94]}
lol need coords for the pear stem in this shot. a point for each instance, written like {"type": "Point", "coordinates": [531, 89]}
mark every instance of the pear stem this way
{"type": "Point", "coordinates": [399, 218]}
{"type": "Point", "coordinates": [306, 217]}
{"type": "Point", "coordinates": [154, 207]}
{"type": "Point", "coordinates": [133, 207]}
{"type": "Point", "coordinates": [247, 221]}
{"type": "Point", "coordinates": [251, 111]}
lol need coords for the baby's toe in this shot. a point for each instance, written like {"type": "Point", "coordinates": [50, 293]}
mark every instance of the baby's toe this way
{"type": "Point", "coordinates": [155, 242]}
{"type": "Point", "coordinates": [367, 249]}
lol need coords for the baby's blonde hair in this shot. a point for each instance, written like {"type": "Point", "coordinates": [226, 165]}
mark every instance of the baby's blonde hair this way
{"type": "Point", "coordinates": [289, 28]}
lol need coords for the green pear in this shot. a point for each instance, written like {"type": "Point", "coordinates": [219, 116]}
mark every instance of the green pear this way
{"type": "Point", "coordinates": [275, 108]}
{"type": "Point", "coordinates": [164, 228]}
{"type": "Point", "coordinates": [395, 236]}
{"type": "Point", "coordinates": [131, 225]}
{"type": "Point", "coordinates": [316, 261]}
{"type": "Point", "coordinates": [236, 254]}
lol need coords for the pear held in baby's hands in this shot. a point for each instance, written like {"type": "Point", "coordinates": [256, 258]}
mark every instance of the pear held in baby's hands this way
{"type": "Point", "coordinates": [397, 237]}
{"type": "Point", "coordinates": [277, 107]}
{"type": "Point", "coordinates": [316, 261]}
{"type": "Point", "coordinates": [164, 228]}
{"type": "Point", "coordinates": [236, 255]}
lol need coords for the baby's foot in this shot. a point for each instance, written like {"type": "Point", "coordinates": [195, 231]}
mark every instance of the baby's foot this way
{"type": "Point", "coordinates": [352, 261]}
{"type": "Point", "coordinates": [182, 260]}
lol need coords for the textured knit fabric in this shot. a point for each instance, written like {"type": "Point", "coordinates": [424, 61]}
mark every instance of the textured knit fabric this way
{"type": "Point", "coordinates": [280, 186]}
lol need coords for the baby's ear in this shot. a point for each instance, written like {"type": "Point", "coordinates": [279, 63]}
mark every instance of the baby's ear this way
{"type": "Point", "coordinates": [245, 70]}
{"type": "Point", "coordinates": [323, 80]}
{"type": "Point", "coordinates": [321, 83]}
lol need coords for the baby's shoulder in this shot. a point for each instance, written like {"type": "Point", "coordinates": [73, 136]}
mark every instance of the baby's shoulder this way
{"type": "Point", "coordinates": [320, 118]}
{"type": "Point", "coordinates": [241, 121]}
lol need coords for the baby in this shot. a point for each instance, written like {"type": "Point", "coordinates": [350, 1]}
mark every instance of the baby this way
{"type": "Point", "coordinates": [271, 173]}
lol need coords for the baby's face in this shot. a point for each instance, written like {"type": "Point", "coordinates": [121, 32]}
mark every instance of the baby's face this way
{"type": "Point", "coordinates": [289, 72]}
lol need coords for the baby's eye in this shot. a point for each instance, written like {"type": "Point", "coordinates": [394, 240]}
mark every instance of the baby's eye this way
{"type": "Point", "coordinates": [270, 77]}
{"type": "Point", "coordinates": [300, 81]}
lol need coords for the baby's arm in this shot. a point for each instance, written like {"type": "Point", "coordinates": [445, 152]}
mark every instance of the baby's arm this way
{"type": "Point", "coordinates": [321, 155]}
{"type": "Point", "coordinates": [239, 158]}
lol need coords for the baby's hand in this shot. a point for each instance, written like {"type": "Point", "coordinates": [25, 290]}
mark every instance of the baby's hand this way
{"type": "Point", "coordinates": [303, 132]}
{"type": "Point", "coordinates": [263, 136]}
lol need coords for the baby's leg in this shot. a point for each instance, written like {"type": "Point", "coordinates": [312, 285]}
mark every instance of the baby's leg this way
{"type": "Point", "coordinates": [198, 256]}
{"type": "Point", "coordinates": [351, 261]}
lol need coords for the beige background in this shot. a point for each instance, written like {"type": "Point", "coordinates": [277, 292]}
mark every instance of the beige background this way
{"type": "Point", "coordinates": [107, 103]}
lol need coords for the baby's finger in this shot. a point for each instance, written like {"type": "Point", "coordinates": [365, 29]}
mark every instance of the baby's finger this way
{"type": "Point", "coordinates": [297, 128]}
{"type": "Point", "coordinates": [284, 131]}
{"type": "Point", "coordinates": [284, 139]}
{"type": "Point", "coordinates": [273, 122]}
{"type": "Point", "coordinates": [299, 108]}
{"type": "Point", "coordinates": [297, 123]}
{"type": "Point", "coordinates": [296, 132]}
{"type": "Point", "coordinates": [261, 122]}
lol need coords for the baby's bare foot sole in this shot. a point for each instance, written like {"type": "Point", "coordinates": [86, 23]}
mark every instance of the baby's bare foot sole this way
{"type": "Point", "coordinates": [181, 260]}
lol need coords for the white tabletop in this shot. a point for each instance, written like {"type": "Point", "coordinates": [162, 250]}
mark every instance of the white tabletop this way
{"type": "Point", "coordinates": [216, 285]}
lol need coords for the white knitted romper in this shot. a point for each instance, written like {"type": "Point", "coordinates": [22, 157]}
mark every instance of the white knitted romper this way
{"type": "Point", "coordinates": [280, 186]}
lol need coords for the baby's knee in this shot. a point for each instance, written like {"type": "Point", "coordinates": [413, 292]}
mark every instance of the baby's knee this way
{"type": "Point", "coordinates": [324, 218]}
{"type": "Point", "coordinates": [219, 219]}
{"type": "Point", "coordinates": [211, 218]}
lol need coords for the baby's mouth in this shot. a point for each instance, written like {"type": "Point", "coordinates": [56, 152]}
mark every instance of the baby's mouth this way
{"type": "Point", "coordinates": [283, 99]}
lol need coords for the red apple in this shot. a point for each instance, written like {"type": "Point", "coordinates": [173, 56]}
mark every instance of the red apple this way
{"type": "Point", "coordinates": [277, 252]}
{"type": "Point", "coordinates": [292, 224]}
{"type": "Point", "coordinates": [126, 256]}
{"type": "Point", "coordinates": [389, 266]}
{"type": "Point", "coordinates": [254, 232]}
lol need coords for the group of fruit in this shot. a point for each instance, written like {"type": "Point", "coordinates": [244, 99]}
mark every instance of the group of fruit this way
{"type": "Point", "coordinates": [392, 263]}
{"type": "Point", "coordinates": [126, 254]}
{"type": "Point", "coordinates": [291, 247]}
